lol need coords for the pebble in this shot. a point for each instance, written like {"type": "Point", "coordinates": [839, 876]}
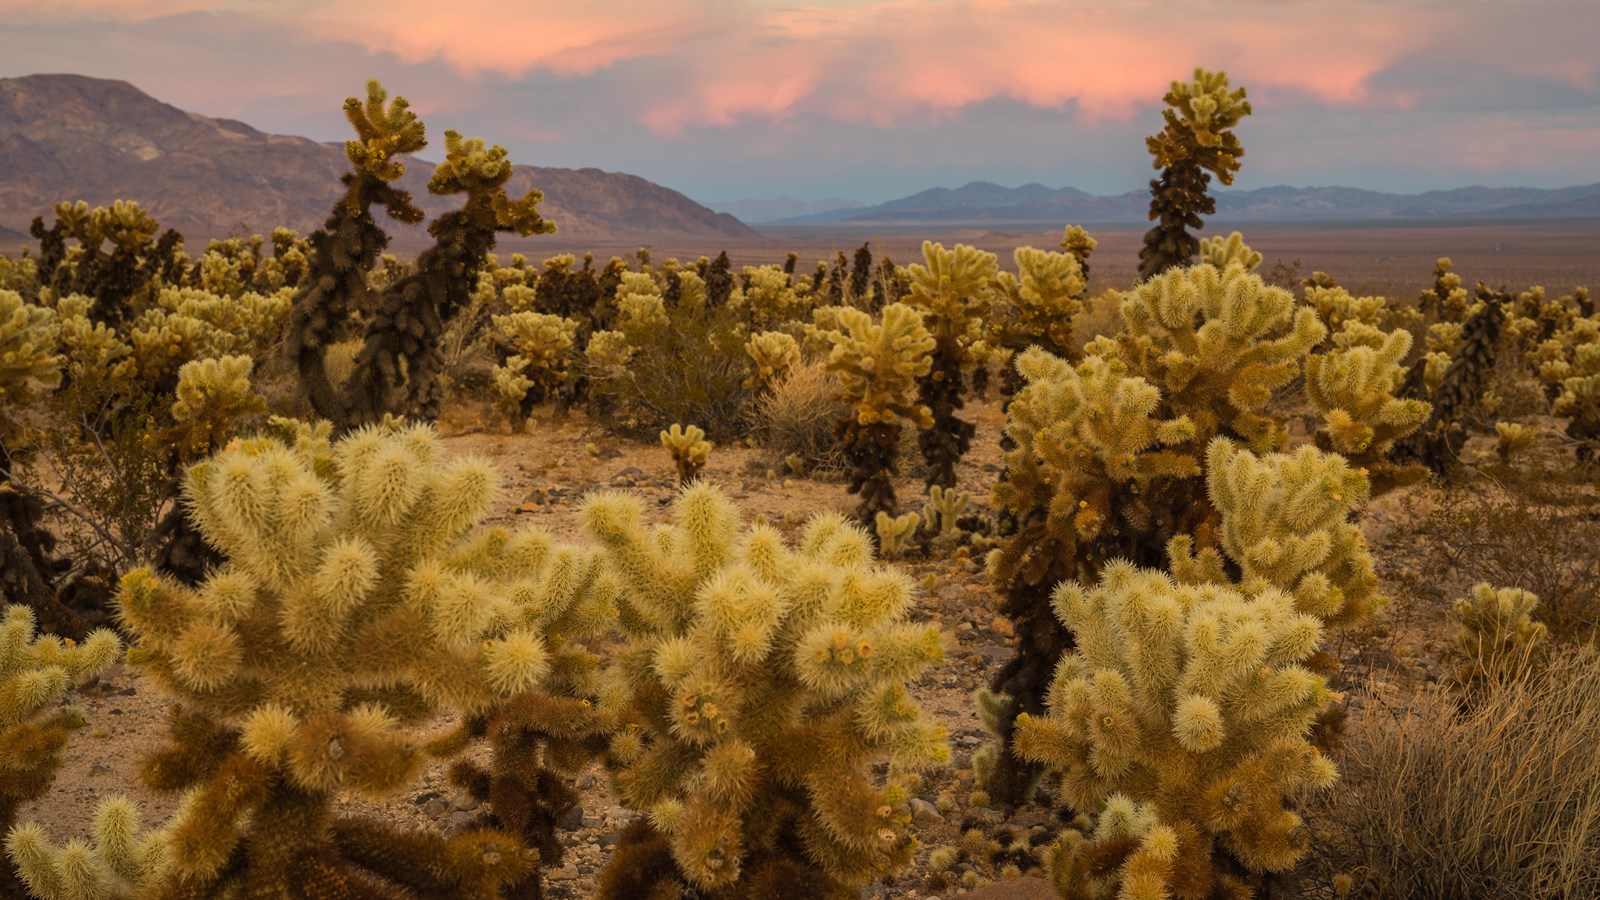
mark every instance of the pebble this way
{"type": "Point", "coordinates": [435, 808]}
{"type": "Point", "coordinates": [925, 812]}
{"type": "Point", "coordinates": [572, 819]}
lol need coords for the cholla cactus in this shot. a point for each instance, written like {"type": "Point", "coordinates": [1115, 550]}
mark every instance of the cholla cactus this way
{"type": "Point", "coordinates": [28, 359]}
{"type": "Point", "coordinates": [36, 672]}
{"type": "Point", "coordinates": [1037, 304]}
{"type": "Point", "coordinates": [120, 862]}
{"type": "Point", "coordinates": [1462, 388]}
{"type": "Point", "coordinates": [1513, 438]}
{"type": "Point", "coordinates": [1497, 631]}
{"type": "Point", "coordinates": [1447, 300]}
{"type": "Point", "coordinates": [213, 396]}
{"type": "Point", "coordinates": [762, 684]}
{"type": "Point", "coordinates": [1353, 389]}
{"type": "Point", "coordinates": [1184, 711]}
{"type": "Point", "coordinates": [1094, 475]}
{"type": "Point", "coordinates": [895, 532]}
{"type": "Point", "coordinates": [689, 449]}
{"type": "Point", "coordinates": [944, 507]}
{"type": "Point", "coordinates": [954, 291]}
{"type": "Point", "coordinates": [1078, 242]}
{"type": "Point", "coordinates": [1223, 252]}
{"type": "Point", "coordinates": [1579, 401]}
{"type": "Point", "coordinates": [540, 351]}
{"type": "Point", "coordinates": [878, 364]}
{"type": "Point", "coordinates": [1339, 309]}
{"type": "Point", "coordinates": [347, 248]}
{"type": "Point", "coordinates": [765, 298]}
{"type": "Point", "coordinates": [772, 353]}
{"type": "Point", "coordinates": [355, 602]}
{"type": "Point", "coordinates": [1196, 143]}
{"type": "Point", "coordinates": [1217, 342]}
{"type": "Point", "coordinates": [1285, 525]}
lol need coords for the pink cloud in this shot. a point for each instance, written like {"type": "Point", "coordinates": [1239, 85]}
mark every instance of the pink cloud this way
{"type": "Point", "coordinates": [715, 62]}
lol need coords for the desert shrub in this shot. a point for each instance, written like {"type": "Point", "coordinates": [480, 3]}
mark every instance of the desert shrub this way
{"type": "Point", "coordinates": [683, 363]}
{"type": "Point", "coordinates": [795, 419]}
{"type": "Point", "coordinates": [1498, 801]}
{"type": "Point", "coordinates": [1528, 532]}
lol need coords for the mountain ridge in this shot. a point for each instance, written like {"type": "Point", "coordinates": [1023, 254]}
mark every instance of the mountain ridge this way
{"type": "Point", "coordinates": [984, 201]}
{"type": "Point", "coordinates": [72, 137]}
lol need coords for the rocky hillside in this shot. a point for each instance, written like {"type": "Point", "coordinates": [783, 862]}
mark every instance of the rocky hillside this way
{"type": "Point", "coordinates": [68, 137]}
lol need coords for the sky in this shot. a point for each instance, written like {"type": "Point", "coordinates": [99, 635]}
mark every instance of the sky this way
{"type": "Point", "coordinates": [876, 99]}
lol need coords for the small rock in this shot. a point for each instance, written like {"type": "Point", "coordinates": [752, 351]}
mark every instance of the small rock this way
{"type": "Point", "coordinates": [425, 797]}
{"type": "Point", "coordinates": [586, 781]}
{"type": "Point", "coordinates": [925, 812]}
{"type": "Point", "coordinates": [99, 769]}
{"type": "Point", "coordinates": [567, 872]}
{"type": "Point", "coordinates": [465, 803]}
{"type": "Point", "coordinates": [572, 819]}
{"type": "Point", "coordinates": [435, 808]}
{"type": "Point", "coordinates": [1002, 626]}
{"type": "Point", "coordinates": [128, 691]}
{"type": "Point", "coordinates": [629, 477]}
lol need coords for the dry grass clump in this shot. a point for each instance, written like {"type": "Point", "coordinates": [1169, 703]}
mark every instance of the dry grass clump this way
{"type": "Point", "coordinates": [796, 419]}
{"type": "Point", "coordinates": [1500, 799]}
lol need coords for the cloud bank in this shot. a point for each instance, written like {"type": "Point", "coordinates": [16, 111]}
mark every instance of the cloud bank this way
{"type": "Point", "coordinates": [1492, 87]}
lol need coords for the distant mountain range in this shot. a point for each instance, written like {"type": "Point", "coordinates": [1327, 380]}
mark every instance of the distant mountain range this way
{"type": "Point", "coordinates": [982, 201]}
{"type": "Point", "coordinates": [756, 211]}
{"type": "Point", "coordinates": [69, 137]}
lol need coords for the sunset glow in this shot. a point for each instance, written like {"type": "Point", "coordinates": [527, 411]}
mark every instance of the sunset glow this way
{"type": "Point", "coordinates": [618, 81]}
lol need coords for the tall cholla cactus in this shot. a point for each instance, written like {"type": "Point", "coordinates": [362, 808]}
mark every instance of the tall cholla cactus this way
{"type": "Point", "coordinates": [1218, 342]}
{"type": "Point", "coordinates": [1093, 474]}
{"type": "Point", "coordinates": [762, 684]}
{"type": "Point", "coordinates": [541, 352]}
{"type": "Point", "coordinates": [36, 672]}
{"type": "Point", "coordinates": [350, 243]}
{"type": "Point", "coordinates": [954, 291]}
{"type": "Point", "coordinates": [356, 602]}
{"type": "Point", "coordinates": [878, 364]}
{"type": "Point", "coordinates": [1184, 712]}
{"type": "Point", "coordinates": [1196, 143]}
